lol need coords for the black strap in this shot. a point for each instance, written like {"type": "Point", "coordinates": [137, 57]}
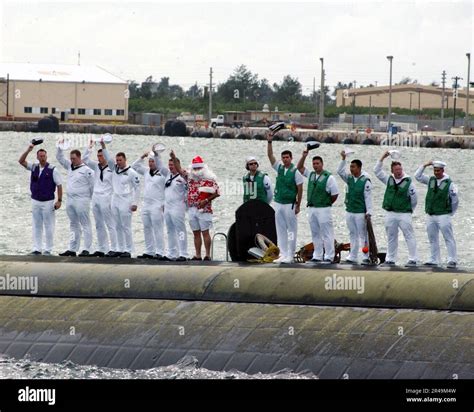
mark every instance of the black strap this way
{"type": "Point", "coordinates": [102, 172]}
{"type": "Point", "coordinates": [170, 180]}
{"type": "Point", "coordinates": [123, 171]}
{"type": "Point", "coordinates": [154, 172]}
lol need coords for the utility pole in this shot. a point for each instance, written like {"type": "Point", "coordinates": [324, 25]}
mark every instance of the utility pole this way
{"type": "Point", "coordinates": [210, 95]}
{"type": "Point", "coordinates": [411, 95]}
{"type": "Point", "coordinates": [8, 93]}
{"type": "Point", "coordinates": [353, 105]}
{"type": "Point", "coordinates": [443, 82]}
{"type": "Point", "coordinates": [321, 96]}
{"type": "Point", "coordinates": [390, 58]}
{"type": "Point", "coordinates": [455, 97]}
{"type": "Point", "coordinates": [467, 126]}
{"type": "Point", "coordinates": [315, 99]}
{"type": "Point", "coordinates": [370, 112]}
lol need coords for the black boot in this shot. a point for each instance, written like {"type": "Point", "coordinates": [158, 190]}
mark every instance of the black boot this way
{"type": "Point", "coordinates": [68, 253]}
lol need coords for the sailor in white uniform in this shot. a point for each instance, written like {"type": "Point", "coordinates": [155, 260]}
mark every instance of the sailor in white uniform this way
{"type": "Point", "coordinates": [358, 207]}
{"type": "Point", "coordinates": [175, 213]}
{"type": "Point", "coordinates": [322, 193]}
{"type": "Point", "coordinates": [288, 196]}
{"type": "Point", "coordinates": [45, 179]}
{"type": "Point", "coordinates": [441, 204]}
{"type": "Point", "coordinates": [399, 202]}
{"type": "Point", "coordinates": [153, 205]}
{"type": "Point", "coordinates": [80, 186]}
{"type": "Point", "coordinates": [101, 204]}
{"type": "Point", "coordinates": [126, 187]}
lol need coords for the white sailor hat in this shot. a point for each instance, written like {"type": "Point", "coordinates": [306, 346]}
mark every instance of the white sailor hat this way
{"type": "Point", "coordinates": [249, 159]}
{"type": "Point", "coordinates": [439, 164]}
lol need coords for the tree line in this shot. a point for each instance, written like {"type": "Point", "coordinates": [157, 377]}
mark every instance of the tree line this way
{"type": "Point", "coordinates": [244, 90]}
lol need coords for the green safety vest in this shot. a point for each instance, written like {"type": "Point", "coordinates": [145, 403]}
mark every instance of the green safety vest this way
{"type": "Point", "coordinates": [317, 194]}
{"type": "Point", "coordinates": [285, 188]}
{"type": "Point", "coordinates": [396, 197]}
{"type": "Point", "coordinates": [355, 201]}
{"type": "Point", "coordinates": [254, 190]}
{"type": "Point", "coordinates": [437, 200]}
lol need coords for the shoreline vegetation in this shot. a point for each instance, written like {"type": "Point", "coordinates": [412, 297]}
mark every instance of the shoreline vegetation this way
{"type": "Point", "coordinates": [244, 91]}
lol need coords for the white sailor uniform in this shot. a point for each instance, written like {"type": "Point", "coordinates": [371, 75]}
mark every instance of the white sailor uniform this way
{"type": "Point", "coordinates": [153, 206]}
{"type": "Point", "coordinates": [126, 187]}
{"type": "Point", "coordinates": [80, 186]}
{"type": "Point", "coordinates": [101, 205]}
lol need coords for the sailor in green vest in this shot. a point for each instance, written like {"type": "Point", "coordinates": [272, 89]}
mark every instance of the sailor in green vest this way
{"type": "Point", "coordinates": [440, 205]}
{"type": "Point", "coordinates": [257, 185]}
{"type": "Point", "coordinates": [322, 193]}
{"type": "Point", "coordinates": [358, 205]}
{"type": "Point", "coordinates": [399, 202]}
{"type": "Point", "coordinates": [288, 195]}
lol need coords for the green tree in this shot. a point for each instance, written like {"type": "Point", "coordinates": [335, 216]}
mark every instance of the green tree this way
{"type": "Point", "coordinates": [289, 90]}
{"type": "Point", "coordinates": [242, 80]}
{"type": "Point", "coordinates": [194, 92]}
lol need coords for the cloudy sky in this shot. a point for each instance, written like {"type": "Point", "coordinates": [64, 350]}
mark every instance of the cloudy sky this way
{"type": "Point", "coordinates": [182, 40]}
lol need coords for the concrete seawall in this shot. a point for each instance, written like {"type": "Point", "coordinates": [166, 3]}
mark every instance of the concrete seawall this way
{"type": "Point", "coordinates": [325, 136]}
{"type": "Point", "coordinates": [254, 318]}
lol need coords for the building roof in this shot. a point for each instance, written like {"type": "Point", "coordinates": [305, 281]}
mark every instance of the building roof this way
{"type": "Point", "coordinates": [57, 73]}
{"type": "Point", "coordinates": [411, 87]}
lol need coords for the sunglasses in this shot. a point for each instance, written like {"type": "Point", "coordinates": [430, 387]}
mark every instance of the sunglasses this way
{"type": "Point", "coordinates": [252, 164]}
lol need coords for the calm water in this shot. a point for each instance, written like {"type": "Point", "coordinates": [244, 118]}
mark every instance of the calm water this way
{"type": "Point", "coordinates": [226, 158]}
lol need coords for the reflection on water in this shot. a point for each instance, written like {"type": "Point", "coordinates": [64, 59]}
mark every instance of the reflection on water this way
{"type": "Point", "coordinates": [226, 158]}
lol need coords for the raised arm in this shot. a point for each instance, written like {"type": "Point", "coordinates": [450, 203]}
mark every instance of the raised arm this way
{"type": "Point", "coordinates": [378, 169]}
{"type": "Point", "coordinates": [62, 160]}
{"type": "Point", "coordinates": [300, 165]}
{"type": "Point", "coordinates": [270, 155]}
{"type": "Point", "coordinates": [138, 166]}
{"type": "Point", "coordinates": [341, 169]}
{"type": "Point", "coordinates": [86, 157]}
{"type": "Point", "coordinates": [422, 178]}
{"type": "Point", "coordinates": [177, 164]}
{"type": "Point", "coordinates": [22, 159]}
{"type": "Point", "coordinates": [107, 156]}
{"type": "Point", "coordinates": [160, 165]}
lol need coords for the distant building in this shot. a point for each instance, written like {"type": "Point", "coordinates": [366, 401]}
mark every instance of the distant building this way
{"type": "Point", "coordinates": [406, 96]}
{"type": "Point", "coordinates": [69, 92]}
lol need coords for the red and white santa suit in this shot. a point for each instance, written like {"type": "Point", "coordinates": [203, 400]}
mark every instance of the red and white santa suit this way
{"type": "Point", "coordinates": [201, 184]}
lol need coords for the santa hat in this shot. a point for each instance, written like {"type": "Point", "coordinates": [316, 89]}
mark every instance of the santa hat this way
{"type": "Point", "coordinates": [197, 162]}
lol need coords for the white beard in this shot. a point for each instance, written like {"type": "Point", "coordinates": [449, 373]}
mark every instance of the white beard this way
{"type": "Point", "coordinates": [204, 173]}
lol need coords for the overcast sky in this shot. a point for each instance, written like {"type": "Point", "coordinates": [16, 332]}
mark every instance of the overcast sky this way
{"type": "Point", "coordinates": [182, 40]}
